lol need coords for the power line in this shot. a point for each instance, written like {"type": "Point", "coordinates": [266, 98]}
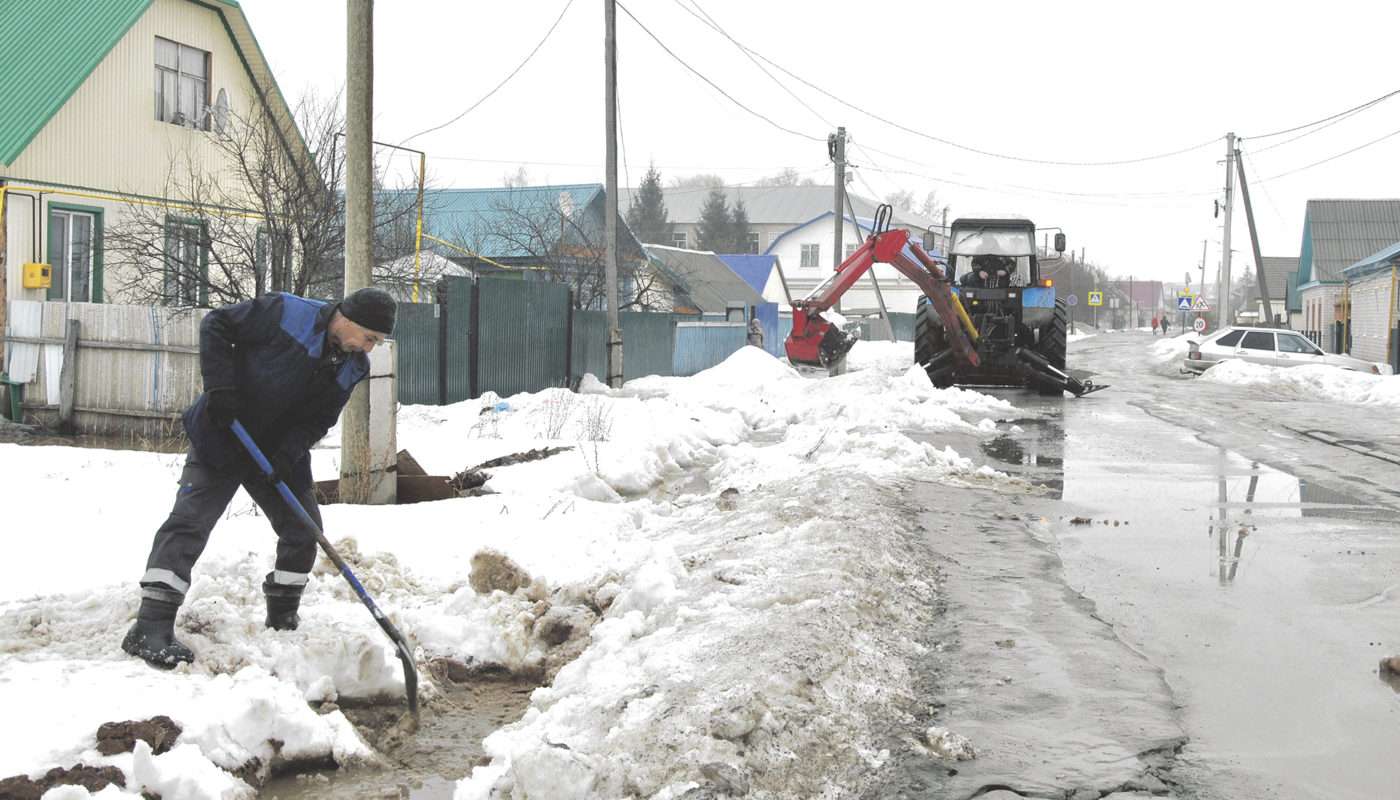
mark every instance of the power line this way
{"type": "Point", "coordinates": [507, 79]}
{"type": "Point", "coordinates": [697, 74]}
{"type": "Point", "coordinates": [930, 137]}
{"type": "Point", "coordinates": [710, 21]}
{"type": "Point", "coordinates": [1349, 111]}
{"type": "Point", "coordinates": [1333, 158]}
{"type": "Point", "coordinates": [1040, 191]}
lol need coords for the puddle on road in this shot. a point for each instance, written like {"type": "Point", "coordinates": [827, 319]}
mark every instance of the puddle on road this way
{"type": "Point", "coordinates": [1267, 600]}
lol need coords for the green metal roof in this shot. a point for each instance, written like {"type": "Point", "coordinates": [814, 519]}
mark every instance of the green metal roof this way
{"type": "Point", "coordinates": [47, 49]}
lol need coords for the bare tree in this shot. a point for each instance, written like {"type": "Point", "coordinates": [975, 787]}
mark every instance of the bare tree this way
{"type": "Point", "coordinates": [703, 180]}
{"type": "Point", "coordinates": [262, 214]}
{"type": "Point", "coordinates": [929, 207]}
{"type": "Point", "coordinates": [532, 229]}
{"type": "Point", "coordinates": [788, 177]}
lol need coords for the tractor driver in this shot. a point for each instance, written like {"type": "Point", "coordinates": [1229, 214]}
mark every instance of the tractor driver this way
{"type": "Point", "coordinates": [989, 270]}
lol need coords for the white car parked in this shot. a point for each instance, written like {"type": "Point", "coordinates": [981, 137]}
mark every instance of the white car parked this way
{"type": "Point", "coordinates": [1274, 348]}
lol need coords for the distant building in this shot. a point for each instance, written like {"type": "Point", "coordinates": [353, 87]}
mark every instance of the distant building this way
{"type": "Point", "coordinates": [714, 287]}
{"type": "Point", "coordinates": [774, 211]}
{"type": "Point", "coordinates": [554, 233]}
{"type": "Point", "coordinates": [1370, 287]}
{"type": "Point", "coordinates": [1281, 276]}
{"type": "Point", "coordinates": [762, 272]}
{"type": "Point", "coordinates": [1338, 234]}
{"type": "Point", "coordinates": [797, 224]}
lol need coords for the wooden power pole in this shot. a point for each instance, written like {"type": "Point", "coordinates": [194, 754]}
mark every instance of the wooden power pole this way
{"type": "Point", "coordinates": [614, 365]}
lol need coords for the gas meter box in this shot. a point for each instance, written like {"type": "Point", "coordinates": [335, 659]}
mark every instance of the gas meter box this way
{"type": "Point", "coordinates": [38, 276]}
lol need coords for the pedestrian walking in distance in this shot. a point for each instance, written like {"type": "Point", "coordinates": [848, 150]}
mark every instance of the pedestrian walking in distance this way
{"type": "Point", "coordinates": [284, 366]}
{"type": "Point", "coordinates": [1154, 326]}
{"type": "Point", "coordinates": [1164, 324]}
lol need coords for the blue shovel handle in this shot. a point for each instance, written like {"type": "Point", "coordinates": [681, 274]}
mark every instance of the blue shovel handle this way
{"type": "Point", "coordinates": [410, 674]}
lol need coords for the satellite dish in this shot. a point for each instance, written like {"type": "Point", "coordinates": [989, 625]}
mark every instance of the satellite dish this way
{"type": "Point", "coordinates": [221, 111]}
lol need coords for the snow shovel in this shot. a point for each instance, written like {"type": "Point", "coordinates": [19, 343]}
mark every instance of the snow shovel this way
{"type": "Point", "coordinates": [410, 675]}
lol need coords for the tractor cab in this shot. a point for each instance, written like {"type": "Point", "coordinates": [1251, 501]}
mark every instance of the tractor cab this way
{"type": "Point", "coordinates": [990, 246]}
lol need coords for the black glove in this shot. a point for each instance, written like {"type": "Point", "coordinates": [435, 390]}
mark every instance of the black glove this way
{"type": "Point", "coordinates": [282, 465]}
{"type": "Point", "coordinates": [222, 406]}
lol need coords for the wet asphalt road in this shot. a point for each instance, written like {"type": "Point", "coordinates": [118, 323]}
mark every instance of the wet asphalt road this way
{"type": "Point", "coordinates": [1196, 607]}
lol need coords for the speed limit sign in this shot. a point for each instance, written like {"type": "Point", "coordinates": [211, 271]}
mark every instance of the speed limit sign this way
{"type": "Point", "coordinates": [1199, 325]}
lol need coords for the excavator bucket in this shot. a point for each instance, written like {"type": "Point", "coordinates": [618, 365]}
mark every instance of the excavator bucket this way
{"type": "Point", "coordinates": [816, 343]}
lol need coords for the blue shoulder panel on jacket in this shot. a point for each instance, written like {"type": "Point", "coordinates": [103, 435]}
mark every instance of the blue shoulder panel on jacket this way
{"type": "Point", "coordinates": [299, 319]}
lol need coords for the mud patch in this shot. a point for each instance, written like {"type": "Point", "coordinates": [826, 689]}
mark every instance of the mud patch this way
{"type": "Point", "coordinates": [94, 779]}
{"type": "Point", "coordinates": [425, 765]}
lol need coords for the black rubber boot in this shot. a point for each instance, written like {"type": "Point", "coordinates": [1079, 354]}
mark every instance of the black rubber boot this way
{"type": "Point", "coordinates": [282, 604]}
{"type": "Point", "coordinates": [152, 638]}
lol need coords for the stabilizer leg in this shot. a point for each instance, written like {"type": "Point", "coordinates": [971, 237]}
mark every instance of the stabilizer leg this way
{"type": "Point", "coordinates": [1043, 370]}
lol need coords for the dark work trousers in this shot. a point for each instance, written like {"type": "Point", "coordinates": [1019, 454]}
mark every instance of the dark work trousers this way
{"type": "Point", "coordinates": [203, 496]}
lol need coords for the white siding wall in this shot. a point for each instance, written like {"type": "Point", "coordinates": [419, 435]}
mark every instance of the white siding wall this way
{"type": "Point", "coordinates": [106, 139]}
{"type": "Point", "coordinates": [1319, 304]}
{"type": "Point", "coordinates": [900, 293]}
{"type": "Point", "coordinates": [1372, 315]}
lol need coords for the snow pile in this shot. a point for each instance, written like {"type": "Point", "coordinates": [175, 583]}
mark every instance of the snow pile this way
{"type": "Point", "coordinates": [1311, 381]}
{"type": "Point", "coordinates": [730, 550]}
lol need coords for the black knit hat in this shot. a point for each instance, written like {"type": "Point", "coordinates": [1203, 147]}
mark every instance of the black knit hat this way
{"type": "Point", "coordinates": [370, 307]}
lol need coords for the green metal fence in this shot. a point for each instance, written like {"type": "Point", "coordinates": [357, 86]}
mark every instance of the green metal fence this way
{"type": "Point", "coordinates": [510, 336]}
{"type": "Point", "coordinates": [522, 336]}
{"type": "Point", "coordinates": [417, 325]}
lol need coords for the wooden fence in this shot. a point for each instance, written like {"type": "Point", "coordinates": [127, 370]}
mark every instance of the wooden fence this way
{"type": "Point", "coordinates": [98, 368]}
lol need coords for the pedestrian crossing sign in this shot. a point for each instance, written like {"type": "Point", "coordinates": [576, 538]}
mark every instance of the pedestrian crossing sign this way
{"type": "Point", "coordinates": [1183, 302]}
{"type": "Point", "coordinates": [1095, 298]}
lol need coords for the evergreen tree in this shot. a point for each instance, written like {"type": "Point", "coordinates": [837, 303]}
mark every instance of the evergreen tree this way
{"type": "Point", "coordinates": [646, 214]}
{"type": "Point", "coordinates": [739, 228]}
{"type": "Point", "coordinates": [714, 232]}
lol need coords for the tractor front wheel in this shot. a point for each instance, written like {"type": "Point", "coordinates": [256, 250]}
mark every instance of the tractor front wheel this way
{"type": "Point", "coordinates": [931, 349]}
{"type": "Point", "coordinates": [1053, 344]}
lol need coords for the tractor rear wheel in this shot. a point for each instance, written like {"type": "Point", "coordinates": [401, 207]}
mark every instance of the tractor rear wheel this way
{"type": "Point", "coordinates": [1053, 344]}
{"type": "Point", "coordinates": [931, 349]}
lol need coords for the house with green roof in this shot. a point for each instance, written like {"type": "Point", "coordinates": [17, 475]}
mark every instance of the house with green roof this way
{"type": "Point", "coordinates": [1338, 235]}
{"type": "Point", "coordinates": [551, 233]}
{"type": "Point", "coordinates": [104, 106]}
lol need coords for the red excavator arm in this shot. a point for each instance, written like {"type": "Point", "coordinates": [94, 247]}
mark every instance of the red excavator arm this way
{"type": "Point", "coordinates": [816, 342]}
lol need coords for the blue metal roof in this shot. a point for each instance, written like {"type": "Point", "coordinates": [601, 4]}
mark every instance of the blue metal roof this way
{"type": "Point", "coordinates": [1374, 262]}
{"type": "Point", "coordinates": [754, 269]}
{"type": "Point", "coordinates": [485, 218]}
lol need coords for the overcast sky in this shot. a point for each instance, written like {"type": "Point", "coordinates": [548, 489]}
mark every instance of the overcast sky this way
{"type": "Point", "coordinates": [1106, 119]}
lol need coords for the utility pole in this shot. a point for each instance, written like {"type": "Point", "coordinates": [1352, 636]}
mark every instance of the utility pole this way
{"type": "Point", "coordinates": [1223, 315]}
{"type": "Point", "coordinates": [1132, 305]}
{"type": "Point", "coordinates": [1070, 291]}
{"type": "Point", "coordinates": [355, 456]}
{"type": "Point", "coordinates": [1263, 282]}
{"type": "Point", "coordinates": [614, 365]}
{"type": "Point", "coordinates": [836, 143]}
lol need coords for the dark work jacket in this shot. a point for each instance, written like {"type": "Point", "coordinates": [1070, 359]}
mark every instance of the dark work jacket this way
{"type": "Point", "coordinates": [273, 351]}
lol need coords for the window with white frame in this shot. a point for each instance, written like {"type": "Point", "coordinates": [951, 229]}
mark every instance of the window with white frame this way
{"type": "Point", "coordinates": [182, 84]}
{"type": "Point", "coordinates": [678, 239]}
{"type": "Point", "coordinates": [811, 256]}
{"type": "Point", "coordinates": [754, 242]}
{"type": "Point", "coordinates": [73, 237]}
{"type": "Point", "coordinates": [850, 249]}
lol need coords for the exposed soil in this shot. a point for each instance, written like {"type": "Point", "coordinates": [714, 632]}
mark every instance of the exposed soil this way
{"type": "Point", "coordinates": [424, 764]}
